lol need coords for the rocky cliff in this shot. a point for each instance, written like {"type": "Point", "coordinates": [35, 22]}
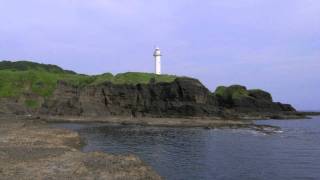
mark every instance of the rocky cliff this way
{"type": "Point", "coordinates": [184, 97]}
{"type": "Point", "coordinates": [38, 89]}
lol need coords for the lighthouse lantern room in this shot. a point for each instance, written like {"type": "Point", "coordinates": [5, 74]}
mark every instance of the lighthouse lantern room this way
{"type": "Point", "coordinates": [157, 56]}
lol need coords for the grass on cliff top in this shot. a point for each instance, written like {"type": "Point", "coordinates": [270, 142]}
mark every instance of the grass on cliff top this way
{"type": "Point", "coordinates": [42, 80]}
{"type": "Point", "coordinates": [27, 65]}
{"type": "Point", "coordinates": [232, 92]}
{"type": "Point", "coordinates": [43, 83]}
{"type": "Point", "coordinates": [133, 78]}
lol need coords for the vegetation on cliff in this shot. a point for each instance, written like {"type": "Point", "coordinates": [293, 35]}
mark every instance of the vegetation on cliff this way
{"type": "Point", "coordinates": [237, 92]}
{"type": "Point", "coordinates": [231, 92]}
{"type": "Point", "coordinates": [131, 78]}
{"type": "Point", "coordinates": [21, 77]}
{"type": "Point", "coordinates": [237, 96]}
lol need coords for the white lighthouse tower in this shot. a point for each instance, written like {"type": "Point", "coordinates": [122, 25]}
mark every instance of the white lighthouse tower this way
{"type": "Point", "coordinates": [157, 58]}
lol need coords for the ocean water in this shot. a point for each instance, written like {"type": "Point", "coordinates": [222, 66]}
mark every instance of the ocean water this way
{"type": "Point", "coordinates": [196, 153]}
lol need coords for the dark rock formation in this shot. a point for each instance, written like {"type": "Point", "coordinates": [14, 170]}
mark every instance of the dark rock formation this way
{"type": "Point", "coordinates": [240, 99]}
{"type": "Point", "coordinates": [185, 97]}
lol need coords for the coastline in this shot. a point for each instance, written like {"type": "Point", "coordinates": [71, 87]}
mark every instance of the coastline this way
{"type": "Point", "coordinates": [195, 122]}
{"type": "Point", "coordinates": [247, 122]}
{"type": "Point", "coordinates": [241, 119]}
{"type": "Point", "coordinates": [148, 121]}
{"type": "Point", "coordinates": [31, 147]}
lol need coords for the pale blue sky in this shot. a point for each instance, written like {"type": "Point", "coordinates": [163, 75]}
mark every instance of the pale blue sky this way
{"type": "Point", "coordinates": [268, 44]}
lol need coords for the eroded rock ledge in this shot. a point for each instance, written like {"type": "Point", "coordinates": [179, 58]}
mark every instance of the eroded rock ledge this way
{"type": "Point", "coordinates": [31, 150]}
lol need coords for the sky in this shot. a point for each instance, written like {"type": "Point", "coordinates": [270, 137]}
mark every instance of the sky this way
{"type": "Point", "coordinates": [268, 44]}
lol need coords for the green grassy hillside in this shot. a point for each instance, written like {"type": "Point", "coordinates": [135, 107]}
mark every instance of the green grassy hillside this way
{"type": "Point", "coordinates": [27, 65]}
{"type": "Point", "coordinates": [28, 77]}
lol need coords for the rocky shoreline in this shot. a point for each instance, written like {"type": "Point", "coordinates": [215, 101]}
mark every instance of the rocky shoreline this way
{"type": "Point", "coordinates": [205, 123]}
{"type": "Point", "coordinates": [30, 149]}
{"type": "Point", "coordinates": [179, 121]}
{"type": "Point", "coordinates": [148, 121]}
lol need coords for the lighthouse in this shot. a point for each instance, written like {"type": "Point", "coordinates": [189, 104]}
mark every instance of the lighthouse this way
{"type": "Point", "coordinates": [157, 58]}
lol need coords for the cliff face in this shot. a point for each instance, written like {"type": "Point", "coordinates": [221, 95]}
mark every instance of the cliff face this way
{"type": "Point", "coordinates": [40, 89]}
{"type": "Point", "coordinates": [187, 97]}
{"type": "Point", "coordinates": [184, 97]}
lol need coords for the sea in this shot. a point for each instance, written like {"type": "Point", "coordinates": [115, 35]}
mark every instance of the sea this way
{"type": "Point", "coordinates": [292, 153]}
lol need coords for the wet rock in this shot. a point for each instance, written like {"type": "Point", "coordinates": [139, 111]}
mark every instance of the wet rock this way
{"type": "Point", "coordinates": [34, 151]}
